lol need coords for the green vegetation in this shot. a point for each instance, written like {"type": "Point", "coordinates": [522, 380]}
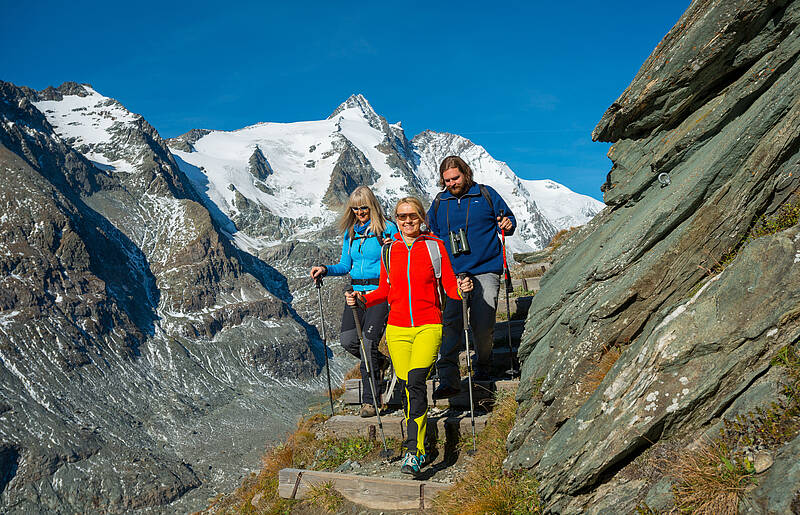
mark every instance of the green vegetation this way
{"type": "Point", "coordinates": [712, 478]}
{"type": "Point", "coordinates": [332, 452]}
{"type": "Point", "coordinates": [780, 422]}
{"type": "Point", "coordinates": [519, 291]}
{"type": "Point", "coordinates": [325, 497]}
{"type": "Point", "coordinates": [485, 487]}
{"type": "Point", "coordinates": [785, 217]}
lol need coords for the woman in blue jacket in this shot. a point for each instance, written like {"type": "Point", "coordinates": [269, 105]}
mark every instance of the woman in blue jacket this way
{"type": "Point", "coordinates": [365, 230]}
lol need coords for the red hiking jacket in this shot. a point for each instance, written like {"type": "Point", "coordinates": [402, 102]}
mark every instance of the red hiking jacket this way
{"type": "Point", "coordinates": [411, 289]}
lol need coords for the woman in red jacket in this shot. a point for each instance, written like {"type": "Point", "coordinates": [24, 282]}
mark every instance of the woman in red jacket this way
{"type": "Point", "coordinates": [414, 330]}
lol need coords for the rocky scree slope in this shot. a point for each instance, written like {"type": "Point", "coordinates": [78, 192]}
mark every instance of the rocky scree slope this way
{"type": "Point", "coordinates": [139, 350]}
{"type": "Point", "coordinates": [716, 107]}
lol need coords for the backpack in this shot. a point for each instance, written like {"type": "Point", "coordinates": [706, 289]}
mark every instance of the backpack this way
{"type": "Point", "coordinates": [484, 192]}
{"type": "Point", "coordinates": [436, 261]}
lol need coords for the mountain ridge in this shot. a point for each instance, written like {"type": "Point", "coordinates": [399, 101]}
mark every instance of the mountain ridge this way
{"type": "Point", "coordinates": [400, 167]}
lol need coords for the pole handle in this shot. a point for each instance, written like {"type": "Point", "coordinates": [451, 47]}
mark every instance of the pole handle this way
{"type": "Point", "coordinates": [465, 294]}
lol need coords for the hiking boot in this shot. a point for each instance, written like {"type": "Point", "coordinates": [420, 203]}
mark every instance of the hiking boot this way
{"type": "Point", "coordinates": [367, 410]}
{"type": "Point", "coordinates": [445, 391]}
{"type": "Point", "coordinates": [428, 458]}
{"type": "Point", "coordinates": [410, 464]}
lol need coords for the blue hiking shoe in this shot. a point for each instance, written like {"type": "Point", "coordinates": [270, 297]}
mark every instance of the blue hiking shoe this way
{"type": "Point", "coordinates": [410, 464]}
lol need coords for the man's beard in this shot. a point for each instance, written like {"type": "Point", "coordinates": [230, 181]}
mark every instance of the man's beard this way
{"type": "Point", "coordinates": [459, 190]}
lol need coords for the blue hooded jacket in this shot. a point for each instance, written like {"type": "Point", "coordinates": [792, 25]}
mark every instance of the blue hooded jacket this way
{"type": "Point", "coordinates": [486, 254]}
{"type": "Point", "coordinates": [361, 258]}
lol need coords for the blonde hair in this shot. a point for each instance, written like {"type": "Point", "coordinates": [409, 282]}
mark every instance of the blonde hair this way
{"type": "Point", "coordinates": [414, 202]}
{"type": "Point", "coordinates": [362, 196]}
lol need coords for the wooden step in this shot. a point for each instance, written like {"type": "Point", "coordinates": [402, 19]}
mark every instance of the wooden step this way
{"type": "Point", "coordinates": [375, 493]}
{"type": "Point", "coordinates": [342, 426]}
{"type": "Point", "coordinates": [482, 390]}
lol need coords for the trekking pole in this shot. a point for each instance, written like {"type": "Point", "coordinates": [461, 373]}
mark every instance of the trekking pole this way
{"type": "Point", "coordinates": [509, 287]}
{"type": "Point", "coordinates": [385, 453]}
{"type": "Point", "coordinates": [465, 320]}
{"type": "Point", "coordinates": [318, 281]}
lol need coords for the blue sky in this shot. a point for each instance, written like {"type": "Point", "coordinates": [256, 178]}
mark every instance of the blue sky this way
{"type": "Point", "coordinates": [528, 81]}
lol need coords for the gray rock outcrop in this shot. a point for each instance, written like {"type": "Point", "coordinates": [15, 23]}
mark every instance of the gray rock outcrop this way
{"type": "Point", "coordinates": [259, 166]}
{"type": "Point", "coordinates": [716, 107]}
{"type": "Point", "coordinates": [352, 169]}
{"type": "Point", "coordinates": [187, 140]}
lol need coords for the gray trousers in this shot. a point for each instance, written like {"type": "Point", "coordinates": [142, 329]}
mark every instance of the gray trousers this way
{"type": "Point", "coordinates": [482, 310]}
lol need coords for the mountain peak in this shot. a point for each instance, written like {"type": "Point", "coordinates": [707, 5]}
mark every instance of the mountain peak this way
{"type": "Point", "coordinates": [359, 104]}
{"type": "Point", "coordinates": [355, 101]}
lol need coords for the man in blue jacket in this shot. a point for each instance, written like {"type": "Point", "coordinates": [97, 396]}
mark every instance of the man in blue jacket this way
{"type": "Point", "coordinates": [468, 218]}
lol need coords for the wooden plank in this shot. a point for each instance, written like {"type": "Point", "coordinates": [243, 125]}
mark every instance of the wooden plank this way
{"type": "Point", "coordinates": [352, 391]}
{"type": "Point", "coordinates": [482, 389]}
{"type": "Point", "coordinates": [354, 388]}
{"type": "Point", "coordinates": [375, 493]}
{"type": "Point", "coordinates": [394, 426]}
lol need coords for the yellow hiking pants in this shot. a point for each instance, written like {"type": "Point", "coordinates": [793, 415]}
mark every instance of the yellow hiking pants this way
{"type": "Point", "coordinates": [413, 352]}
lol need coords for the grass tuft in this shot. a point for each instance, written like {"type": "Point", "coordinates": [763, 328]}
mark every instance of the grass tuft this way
{"type": "Point", "coordinates": [485, 487]}
{"type": "Point", "coordinates": [560, 237]}
{"type": "Point", "coordinates": [259, 492]}
{"type": "Point", "coordinates": [594, 377]}
{"type": "Point", "coordinates": [713, 478]}
{"type": "Point", "coordinates": [325, 497]}
{"type": "Point", "coordinates": [710, 479]}
{"type": "Point", "coordinates": [787, 216]}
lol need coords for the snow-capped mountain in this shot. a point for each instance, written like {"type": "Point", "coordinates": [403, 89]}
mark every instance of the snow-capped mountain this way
{"type": "Point", "coordinates": [298, 174]}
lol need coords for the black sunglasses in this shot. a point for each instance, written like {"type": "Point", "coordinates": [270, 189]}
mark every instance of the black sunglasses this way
{"type": "Point", "coordinates": [359, 208]}
{"type": "Point", "coordinates": [407, 216]}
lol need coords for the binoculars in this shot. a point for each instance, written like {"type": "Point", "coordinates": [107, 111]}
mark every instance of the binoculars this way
{"type": "Point", "coordinates": [458, 242]}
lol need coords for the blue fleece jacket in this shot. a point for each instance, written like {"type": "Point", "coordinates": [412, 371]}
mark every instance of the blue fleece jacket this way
{"type": "Point", "coordinates": [361, 257]}
{"type": "Point", "coordinates": [472, 212]}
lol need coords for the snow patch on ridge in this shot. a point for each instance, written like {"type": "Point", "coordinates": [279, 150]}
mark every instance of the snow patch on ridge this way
{"type": "Point", "coordinates": [87, 122]}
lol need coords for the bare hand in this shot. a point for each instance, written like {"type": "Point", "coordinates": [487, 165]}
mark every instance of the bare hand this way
{"type": "Point", "coordinates": [317, 271]}
{"type": "Point", "coordinates": [465, 284]}
{"type": "Point", "coordinates": [504, 223]}
{"type": "Point", "coordinates": [351, 296]}
{"type": "Point", "coordinates": [386, 240]}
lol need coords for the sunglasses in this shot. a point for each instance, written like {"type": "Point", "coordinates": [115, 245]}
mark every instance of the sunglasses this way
{"type": "Point", "coordinates": [407, 216]}
{"type": "Point", "coordinates": [356, 209]}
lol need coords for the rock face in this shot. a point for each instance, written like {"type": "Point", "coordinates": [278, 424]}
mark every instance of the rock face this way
{"type": "Point", "coordinates": [352, 169]}
{"type": "Point", "coordinates": [715, 107]}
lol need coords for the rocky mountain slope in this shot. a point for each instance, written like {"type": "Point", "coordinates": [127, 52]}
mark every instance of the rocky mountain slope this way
{"type": "Point", "coordinates": [664, 316]}
{"type": "Point", "coordinates": [138, 345]}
